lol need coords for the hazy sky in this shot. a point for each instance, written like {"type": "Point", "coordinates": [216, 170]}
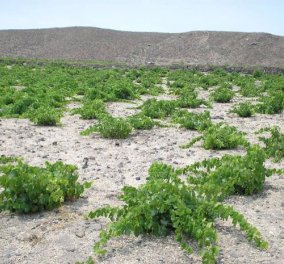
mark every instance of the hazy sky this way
{"type": "Point", "coordinates": [146, 15]}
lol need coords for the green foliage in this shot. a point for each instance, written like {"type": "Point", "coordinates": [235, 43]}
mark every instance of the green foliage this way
{"type": "Point", "coordinates": [188, 98]}
{"type": "Point", "coordinates": [110, 127]}
{"type": "Point", "coordinates": [220, 136]}
{"type": "Point", "coordinates": [141, 122]}
{"type": "Point", "coordinates": [272, 103]}
{"type": "Point", "coordinates": [222, 94]}
{"type": "Point", "coordinates": [218, 178]}
{"type": "Point", "coordinates": [5, 159]}
{"type": "Point", "coordinates": [274, 145]}
{"type": "Point", "coordinates": [166, 204]}
{"type": "Point", "coordinates": [193, 121]}
{"type": "Point", "coordinates": [249, 90]}
{"type": "Point", "coordinates": [93, 109]}
{"type": "Point", "coordinates": [31, 189]}
{"type": "Point", "coordinates": [45, 116]}
{"type": "Point", "coordinates": [158, 109]}
{"type": "Point", "coordinates": [243, 109]}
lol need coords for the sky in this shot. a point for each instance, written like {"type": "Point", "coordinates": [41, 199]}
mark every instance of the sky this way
{"type": "Point", "coordinates": [146, 15]}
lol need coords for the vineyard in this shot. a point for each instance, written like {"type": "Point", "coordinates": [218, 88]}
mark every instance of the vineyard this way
{"type": "Point", "coordinates": [140, 165]}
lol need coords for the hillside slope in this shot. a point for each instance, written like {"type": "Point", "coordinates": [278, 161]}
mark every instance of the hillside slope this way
{"type": "Point", "coordinates": [201, 47]}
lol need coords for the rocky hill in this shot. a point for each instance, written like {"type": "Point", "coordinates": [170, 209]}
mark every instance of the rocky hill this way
{"type": "Point", "coordinates": [191, 48]}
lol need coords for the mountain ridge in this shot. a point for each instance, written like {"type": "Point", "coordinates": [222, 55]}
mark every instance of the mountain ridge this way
{"type": "Point", "coordinates": [140, 48]}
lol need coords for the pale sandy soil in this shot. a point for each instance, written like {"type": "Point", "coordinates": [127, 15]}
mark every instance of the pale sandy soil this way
{"type": "Point", "coordinates": [64, 236]}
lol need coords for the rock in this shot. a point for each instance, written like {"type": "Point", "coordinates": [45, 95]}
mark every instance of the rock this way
{"type": "Point", "coordinates": [66, 242]}
{"type": "Point", "coordinates": [80, 232]}
{"type": "Point", "coordinates": [137, 178]}
{"type": "Point", "coordinates": [97, 226]}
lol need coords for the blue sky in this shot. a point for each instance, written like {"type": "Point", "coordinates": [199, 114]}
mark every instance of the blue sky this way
{"type": "Point", "coordinates": [146, 15]}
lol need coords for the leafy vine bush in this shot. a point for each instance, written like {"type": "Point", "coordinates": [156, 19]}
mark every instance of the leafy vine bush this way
{"type": "Point", "coordinates": [92, 109]}
{"type": "Point", "coordinates": [272, 103]}
{"type": "Point", "coordinates": [218, 178]}
{"type": "Point", "coordinates": [222, 94]}
{"type": "Point", "coordinates": [188, 98]}
{"type": "Point", "coordinates": [166, 204]}
{"type": "Point", "coordinates": [4, 159]}
{"type": "Point", "coordinates": [274, 145]}
{"type": "Point", "coordinates": [158, 109]}
{"type": "Point", "coordinates": [141, 122]}
{"type": "Point", "coordinates": [193, 121]}
{"type": "Point", "coordinates": [110, 127]}
{"type": "Point", "coordinates": [45, 116]}
{"type": "Point", "coordinates": [249, 89]}
{"type": "Point", "coordinates": [220, 136]}
{"type": "Point", "coordinates": [31, 189]}
{"type": "Point", "coordinates": [243, 109]}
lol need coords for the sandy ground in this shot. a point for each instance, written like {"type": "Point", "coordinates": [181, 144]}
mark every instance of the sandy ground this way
{"type": "Point", "coordinates": [64, 236]}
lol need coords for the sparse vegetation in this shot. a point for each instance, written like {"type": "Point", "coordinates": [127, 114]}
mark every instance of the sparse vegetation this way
{"type": "Point", "coordinates": [185, 201]}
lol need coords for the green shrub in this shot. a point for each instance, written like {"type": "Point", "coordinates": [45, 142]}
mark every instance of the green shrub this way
{"type": "Point", "coordinates": [273, 103]}
{"type": "Point", "coordinates": [158, 109]}
{"type": "Point", "coordinates": [45, 116]}
{"type": "Point", "coordinates": [189, 99]}
{"type": "Point", "coordinates": [5, 159]}
{"type": "Point", "coordinates": [218, 178]}
{"type": "Point", "coordinates": [92, 109]}
{"type": "Point", "coordinates": [111, 127]}
{"type": "Point", "coordinates": [22, 105]}
{"type": "Point", "coordinates": [220, 136]}
{"type": "Point", "coordinates": [243, 109]}
{"type": "Point", "coordinates": [274, 145]}
{"type": "Point", "coordinates": [222, 94]}
{"type": "Point", "coordinates": [166, 204]}
{"type": "Point", "coordinates": [249, 90]}
{"type": "Point", "coordinates": [31, 189]}
{"type": "Point", "coordinates": [124, 90]}
{"type": "Point", "coordinates": [141, 122]}
{"type": "Point", "coordinates": [193, 121]}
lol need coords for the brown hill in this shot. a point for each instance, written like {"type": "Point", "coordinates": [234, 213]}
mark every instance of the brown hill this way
{"type": "Point", "coordinates": [201, 47]}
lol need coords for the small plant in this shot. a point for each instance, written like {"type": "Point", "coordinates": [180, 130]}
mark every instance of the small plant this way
{"type": "Point", "coordinates": [5, 159]}
{"type": "Point", "coordinates": [220, 136]}
{"type": "Point", "coordinates": [92, 109]}
{"type": "Point", "coordinates": [273, 103]}
{"type": "Point", "coordinates": [188, 98]}
{"type": "Point", "coordinates": [110, 127]}
{"type": "Point", "coordinates": [193, 121]}
{"type": "Point", "coordinates": [158, 109]}
{"type": "Point", "coordinates": [166, 204]}
{"type": "Point", "coordinates": [124, 90]}
{"type": "Point", "coordinates": [274, 145]}
{"type": "Point", "coordinates": [45, 116]}
{"type": "Point", "coordinates": [249, 89]}
{"type": "Point", "coordinates": [222, 94]}
{"type": "Point", "coordinates": [218, 178]}
{"type": "Point", "coordinates": [31, 189]}
{"type": "Point", "coordinates": [243, 109]}
{"type": "Point", "coordinates": [141, 122]}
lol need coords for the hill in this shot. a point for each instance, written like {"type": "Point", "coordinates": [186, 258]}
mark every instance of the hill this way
{"type": "Point", "coordinates": [191, 48]}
